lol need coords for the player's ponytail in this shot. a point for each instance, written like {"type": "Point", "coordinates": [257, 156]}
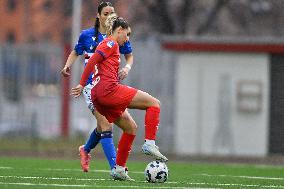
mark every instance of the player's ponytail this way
{"type": "Point", "coordinates": [109, 23]}
{"type": "Point", "coordinates": [97, 25]}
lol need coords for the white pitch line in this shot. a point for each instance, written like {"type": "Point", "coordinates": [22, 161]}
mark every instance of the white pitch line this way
{"type": "Point", "coordinates": [135, 186]}
{"type": "Point", "coordinates": [140, 172]}
{"type": "Point", "coordinates": [242, 176]}
{"type": "Point", "coordinates": [66, 178]}
{"type": "Point", "coordinates": [6, 167]}
{"type": "Point", "coordinates": [33, 184]}
{"type": "Point", "coordinates": [236, 184]}
{"type": "Point", "coordinates": [98, 186]}
{"type": "Point", "coordinates": [188, 183]}
{"type": "Point", "coordinates": [107, 171]}
{"type": "Point", "coordinates": [53, 178]}
{"type": "Point", "coordinates": [98, 171]}
{"type": "Point", "coordinates": [79, 170]}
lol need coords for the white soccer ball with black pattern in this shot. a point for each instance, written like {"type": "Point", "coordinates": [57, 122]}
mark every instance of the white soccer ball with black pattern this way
{"type": "Point", "coordinates": [156, 172]}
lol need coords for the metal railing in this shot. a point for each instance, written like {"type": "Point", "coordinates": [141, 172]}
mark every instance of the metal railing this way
{"type": "Point", "coordinates": [30, 87]}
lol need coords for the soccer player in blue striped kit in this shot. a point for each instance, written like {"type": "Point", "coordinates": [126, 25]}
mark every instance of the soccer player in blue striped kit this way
{"type": "Point", "coordinates": [87, 43]}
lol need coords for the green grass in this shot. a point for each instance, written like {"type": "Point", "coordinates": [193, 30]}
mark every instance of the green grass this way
{"type": "Point", "coordinates": [58, 173]}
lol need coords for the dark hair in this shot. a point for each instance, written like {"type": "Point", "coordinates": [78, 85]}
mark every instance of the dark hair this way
{"type": "Point", "coordinates": [97, 23]}
{"type": "Point", "coordinates": [120, 22]}
{"type": "Point", "coordinates": [102, 5]}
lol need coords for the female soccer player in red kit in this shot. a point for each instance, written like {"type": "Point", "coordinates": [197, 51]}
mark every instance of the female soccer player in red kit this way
{"type": "Point", "coordinates": [112, 98]}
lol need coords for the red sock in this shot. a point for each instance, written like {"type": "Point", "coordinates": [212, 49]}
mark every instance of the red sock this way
{"type": "Point", "coordinates": [124, 148]}
{"type": "Point", "coordinates": [152, 119]}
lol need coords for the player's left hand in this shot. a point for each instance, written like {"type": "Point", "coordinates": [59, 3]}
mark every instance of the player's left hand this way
{"type": "Point", "coordinates": [123, 73]}
{"type": "Point", "coordinates": [65, 71]}
{"type": "Point", "coordinates": [76, 91]}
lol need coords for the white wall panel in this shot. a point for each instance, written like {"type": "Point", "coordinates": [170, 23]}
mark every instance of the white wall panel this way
{"type": "Point", "coordinates": [208, 121]}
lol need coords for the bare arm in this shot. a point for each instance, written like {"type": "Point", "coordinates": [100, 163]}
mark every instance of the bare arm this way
{"type": "Point", "coordinates": [129, 59]}
{"type": "Point", "coordinates": [124, 71]}
{"type": "Point", "coordinates": [71, 59]}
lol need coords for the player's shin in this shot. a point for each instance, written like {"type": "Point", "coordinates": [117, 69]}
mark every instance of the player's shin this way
{"type": "Point", "coordinates": [152, 119]}
{"type": "Point", "coordinates": [124, 148]}
{"type": "Point", "coordinates": [108, 147]}
{"type": "Point", "coordinates": [93, 140]}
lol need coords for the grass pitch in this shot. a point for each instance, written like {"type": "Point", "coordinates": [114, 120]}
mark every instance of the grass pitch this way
{"type": "Point", "coordinates": [50, 173]}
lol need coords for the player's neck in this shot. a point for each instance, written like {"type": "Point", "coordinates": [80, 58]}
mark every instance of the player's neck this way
{"type": "Point", "coordinates": [113, 37]}
{"type": "Point", "coordinates": [102, 30]}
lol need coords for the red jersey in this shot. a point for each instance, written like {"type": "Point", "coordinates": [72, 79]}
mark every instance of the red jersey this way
{"type": "Point", "coordinates": [109, 97]}
{"type": "Point", "coordinates": [108, 69]}
{"type": "Point", "coordinates": [104, 63]}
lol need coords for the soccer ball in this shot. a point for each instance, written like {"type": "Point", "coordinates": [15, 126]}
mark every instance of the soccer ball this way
{"type": "Point", "coordinates": [156, 172]}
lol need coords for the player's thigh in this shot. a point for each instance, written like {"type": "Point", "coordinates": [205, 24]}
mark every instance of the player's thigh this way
{"type": "Point", "coordinates": [102, 122]}
{"type": "Point", "coordinates": [126, 123]}
{"type": "Point", "coordinates": [143, 100]}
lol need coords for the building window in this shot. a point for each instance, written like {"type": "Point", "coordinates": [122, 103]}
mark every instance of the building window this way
{"type": "Point", "coordinates": [11, 38]}
{"type": "Point", "coordinates": [11, 5]}
{"type": "Point", "coordinates": [47, 6]}
{"type": "Point", "coordinates": [67, 35]}
{"type": "Point", "coordinates": [67, 8]}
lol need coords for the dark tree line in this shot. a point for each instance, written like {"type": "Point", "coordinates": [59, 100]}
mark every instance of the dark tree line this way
{"type": "Point", "coordinates": [180, 16]}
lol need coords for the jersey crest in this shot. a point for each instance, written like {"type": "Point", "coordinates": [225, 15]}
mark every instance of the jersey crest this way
{"type": "Point", "coordinates": [110, 44]}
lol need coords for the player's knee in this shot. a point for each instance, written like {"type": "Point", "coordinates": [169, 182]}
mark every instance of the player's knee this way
{"type": "Point", "coordinates": [99, 129]}
{"type": "Point", "coordinates": [156, 103]}
{"type": "Point", "coordinates": [104, 125]}
{"type": "Point", "coordinates": [132, 126]}
{"type": "Point", "coordinates": [132, 129]}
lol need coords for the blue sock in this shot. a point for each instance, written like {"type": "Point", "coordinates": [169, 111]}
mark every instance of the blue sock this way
{"type": "Point", "coordinates": [93, 140]}
{"type": "Point", "coordinates": [108, 147]}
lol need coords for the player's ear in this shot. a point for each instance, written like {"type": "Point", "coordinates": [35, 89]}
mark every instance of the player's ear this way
{"type": "Point", "coordinates": [98, 15]}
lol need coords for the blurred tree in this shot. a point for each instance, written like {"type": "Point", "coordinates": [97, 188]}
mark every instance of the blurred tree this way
{"type": "Point", "coordinates": [158, 11]}
{"type": "Point", "coordinates": [168, 17]}
{"type": "Point", "coordinates": [211, 16]}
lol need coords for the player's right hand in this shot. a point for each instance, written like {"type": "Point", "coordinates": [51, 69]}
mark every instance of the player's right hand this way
{"type": "Point", "coordinates": [65, 71]}
{"type": "Point", "coordinates": [76, 91]}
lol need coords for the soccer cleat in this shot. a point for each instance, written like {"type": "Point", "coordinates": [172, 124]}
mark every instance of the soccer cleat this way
{"type": "Point", "coordinates": [153, 150]}
{"type": "Point", "coordinates": [120, 173]}
{"type": "Point", "coordinates": [85, 159]}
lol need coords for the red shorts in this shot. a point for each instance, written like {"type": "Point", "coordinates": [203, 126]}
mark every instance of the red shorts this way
{"type": "Point", "coordinates": [112, 102]}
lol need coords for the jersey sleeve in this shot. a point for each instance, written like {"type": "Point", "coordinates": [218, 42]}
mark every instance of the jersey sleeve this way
{"type": "Point", "coordinates": [106, 48]}
{"type": "Point", "coordinates": [79, 47]}
{"type": "Point", "coordinates": [96, 58]}
{"type": "Point", "coordinates": [125, 48]}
